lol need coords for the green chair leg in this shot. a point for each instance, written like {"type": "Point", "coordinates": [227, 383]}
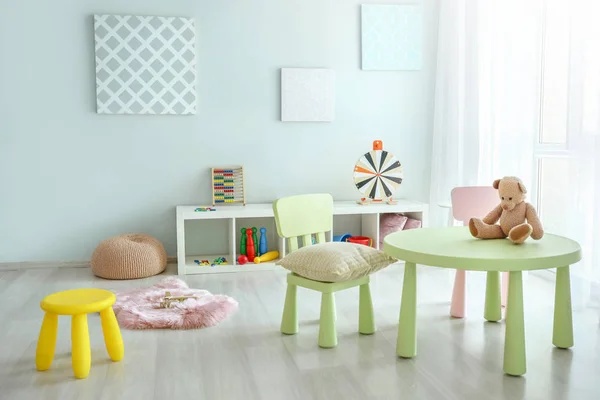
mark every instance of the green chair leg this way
{"type": "Point", "coordinates": [289, 321]}
{"type": "Point", "coordinates": [327, 332]}
{"type": "Point", "coordinates": [406, 345]}
{"type": "Point", "coordinates": [366, 320]}
{"type": "Point", "coordinates": [514, 346]}
{"type": "Point", "coordinates": [562, 336]}
{"type": "Point", "coordinates": [493, 307]}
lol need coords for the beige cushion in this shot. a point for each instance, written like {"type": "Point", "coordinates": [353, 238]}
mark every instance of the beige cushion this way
{"type": "Point", "coordinates": [335, 261]}
{"type": "Point", "coordinates": [129, 256]}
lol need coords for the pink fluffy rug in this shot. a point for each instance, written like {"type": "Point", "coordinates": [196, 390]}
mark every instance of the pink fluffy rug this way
{"type": "Point", "coordinates": [139, 308]}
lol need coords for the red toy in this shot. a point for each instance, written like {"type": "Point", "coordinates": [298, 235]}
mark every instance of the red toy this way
{"type": "Point", "coordinates": [250, 245]}
{"type": "Point", "coordinates": [242, 259]}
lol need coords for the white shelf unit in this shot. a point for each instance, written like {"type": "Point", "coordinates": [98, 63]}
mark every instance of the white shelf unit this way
{"type": "Point", "coordinates": [237, 217]}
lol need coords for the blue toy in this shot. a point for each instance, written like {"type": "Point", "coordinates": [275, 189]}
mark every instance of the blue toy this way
{"type": "Point", "coordinates": [263, 241]}
{"type": "Point", "coordinates": [219, 261]}
{"type": "Point", "coordinates": [342, 238]}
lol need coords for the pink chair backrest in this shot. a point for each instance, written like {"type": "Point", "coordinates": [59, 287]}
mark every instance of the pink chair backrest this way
{"type": "Point", "coordinates": [473, 202]}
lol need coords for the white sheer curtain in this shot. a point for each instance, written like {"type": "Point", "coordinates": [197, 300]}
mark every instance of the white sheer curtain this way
{"type": "Point", "coordinates": [493, 95]}
{"type": "Point", "coordinates": [582, 205]}
{"type": "Point", "coordinates": [487, 94]}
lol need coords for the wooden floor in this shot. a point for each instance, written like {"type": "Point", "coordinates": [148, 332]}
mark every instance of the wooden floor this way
{"type": "Point", "coordinates": [247, 358]}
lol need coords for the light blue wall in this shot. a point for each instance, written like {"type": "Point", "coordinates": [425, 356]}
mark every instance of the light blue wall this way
{"type": "Point", "coordinates": [70, 177]}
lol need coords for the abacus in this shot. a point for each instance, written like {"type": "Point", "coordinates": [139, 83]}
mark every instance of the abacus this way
{"type": "Point", "coordinates": [228, 185]}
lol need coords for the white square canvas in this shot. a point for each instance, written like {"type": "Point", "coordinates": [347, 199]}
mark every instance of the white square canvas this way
{"type": "Point", "coordinates": [307, 94]}
{"type": "Point", "coordinates": [391, 37]}
{"type": "Point", "coordinates": [145, 64]}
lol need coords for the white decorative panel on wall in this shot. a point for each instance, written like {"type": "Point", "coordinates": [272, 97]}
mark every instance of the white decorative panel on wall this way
{"type": "Point", "coordinates": [307, 94]}
{"type": "Point", "coordinates": [391, 37]}
{"type": "Point", "coordinates": [145, 64]}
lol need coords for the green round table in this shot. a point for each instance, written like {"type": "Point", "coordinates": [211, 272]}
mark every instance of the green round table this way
{"type": "Point", "coordinates": [455, 248]}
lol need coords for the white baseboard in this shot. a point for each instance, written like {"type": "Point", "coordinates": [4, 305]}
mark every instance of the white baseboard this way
{"type": "Point", "coordinates": [15, 266]}
{"type": "Point", "coordinates": [42, 264]}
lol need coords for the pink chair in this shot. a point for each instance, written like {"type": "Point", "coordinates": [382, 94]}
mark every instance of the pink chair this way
{"type": "Point", "coordinates": [472, 202]}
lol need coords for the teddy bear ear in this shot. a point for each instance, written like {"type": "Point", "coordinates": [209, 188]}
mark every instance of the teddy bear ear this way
{"type": "Point", "coordinates": [496, 183]}
{"type": "Point", "coordinates": [522, 188]}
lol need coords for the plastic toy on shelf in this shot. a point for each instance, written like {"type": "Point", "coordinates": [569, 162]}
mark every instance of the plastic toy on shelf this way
{"type": "Point", "coordinates": [342, 238]}
{"type": "Point", "coordinates": [250, 251]}
{"type": "Point", "coordinates": [268, 256]}
{"type": "Point", "coordinates": [243, 241]}
{"type": "Point", "coordinates": [255, 241]}
{"type": "Point", "coordinates": [202, 209]}
{"type": "Point", "coordinates": [219, 261]}
{"type": "Point", "coordinates": [254, 248]}
{"type": "Point", "coordinates": [263, 241]}
{"type": "Point", "coordinates": [364, 240]}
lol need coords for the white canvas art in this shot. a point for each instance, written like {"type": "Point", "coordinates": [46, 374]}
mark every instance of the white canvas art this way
{"type": "Point", "coordinates": [145, 65]}
{"type": "Point", "coordinates": [391, 37]}
{"type": "Point", "coordinates": [307, 94]}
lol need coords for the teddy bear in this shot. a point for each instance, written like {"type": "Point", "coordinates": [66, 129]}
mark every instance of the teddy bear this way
{"type": "Point", "coordinates": [518, 218]}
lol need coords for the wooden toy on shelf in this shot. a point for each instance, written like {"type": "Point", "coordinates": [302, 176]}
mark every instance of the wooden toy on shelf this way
{"type": "Point", "coordinates": [228, 185]}
{"type": "Point", "coordinates": [168, 299]}
{"type": "Point", "coordinates": [377, 175]}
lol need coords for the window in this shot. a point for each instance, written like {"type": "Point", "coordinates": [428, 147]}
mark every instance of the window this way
{"type": "Point", "coordinates": [566, 152]}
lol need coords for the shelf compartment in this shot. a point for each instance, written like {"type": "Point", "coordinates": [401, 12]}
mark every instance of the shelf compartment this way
{"type": "Point", "coordinates": [193, 268]}
{"type": "Point", "coordinates": [274, 242]}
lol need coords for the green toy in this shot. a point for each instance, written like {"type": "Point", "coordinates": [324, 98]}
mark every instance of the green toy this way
{"type": "Point", "coordinates": [255, 238]}
{"type": "Point", "coordinates": [243, 241]}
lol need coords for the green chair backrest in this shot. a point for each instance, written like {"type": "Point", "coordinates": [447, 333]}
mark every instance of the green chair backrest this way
{"type": "Point", "coordinates": [302, 216]}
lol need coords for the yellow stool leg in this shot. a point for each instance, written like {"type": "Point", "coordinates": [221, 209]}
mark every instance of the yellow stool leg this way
{"type": "Point", "coordinates": [46, 342]}
{"type": "Point", "coordinates": [80, 346]}
{"type": "Point", "coordinates": [112, 334]}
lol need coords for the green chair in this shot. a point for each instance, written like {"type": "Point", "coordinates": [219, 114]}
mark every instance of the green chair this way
{"type": "Point", "coordinates": [301, 217]}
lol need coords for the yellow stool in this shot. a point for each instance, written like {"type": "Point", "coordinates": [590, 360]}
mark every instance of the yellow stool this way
{"type": "Point", "coordinates": [78, 303]}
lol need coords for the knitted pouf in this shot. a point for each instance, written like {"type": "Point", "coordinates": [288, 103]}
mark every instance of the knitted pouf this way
{"type": "Point", "coordinates": [129, 256]}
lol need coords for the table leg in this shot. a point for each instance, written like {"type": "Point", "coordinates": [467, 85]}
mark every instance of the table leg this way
{"type": "Point", "coordinates": [504, 288]}
{"type": "Point", "coordinates": [406, 346]}
{"type": "Point", "coordinates": [493, 309]}
{"type": "Point", "coordinates": [562, 336]}
{"type": "Point", "coordinates": [514, 346]}
{"type": "Point", "coordinates": [457, 306]}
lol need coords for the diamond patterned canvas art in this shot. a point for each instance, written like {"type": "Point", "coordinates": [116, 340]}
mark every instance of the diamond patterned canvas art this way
{"type": "Point", "coordinates": [307, 94]}
{"type": "Point", "coordinates": [145, 64]}
{"type": "Point", "coordinates": [391, 37]}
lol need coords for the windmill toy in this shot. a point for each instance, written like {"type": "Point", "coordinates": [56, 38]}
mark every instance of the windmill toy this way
{"type": "Point", "coordinates": [378, 175]}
